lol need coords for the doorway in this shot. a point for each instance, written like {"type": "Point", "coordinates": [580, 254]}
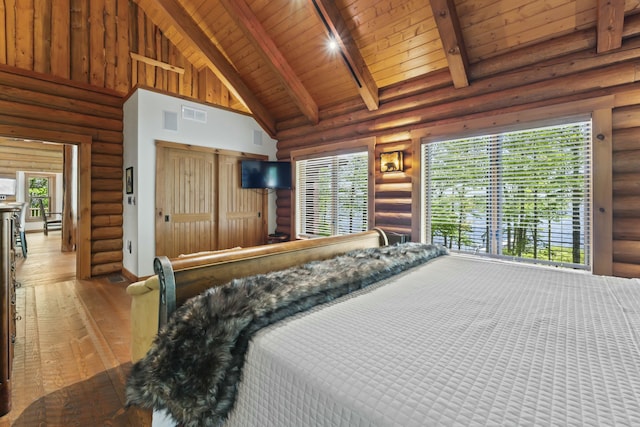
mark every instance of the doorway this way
{"type": "Point", "coordinates": [81, 192]}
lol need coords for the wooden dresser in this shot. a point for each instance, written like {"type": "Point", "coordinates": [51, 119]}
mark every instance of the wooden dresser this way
{"type": "Point", "coordinates": [8, 215]}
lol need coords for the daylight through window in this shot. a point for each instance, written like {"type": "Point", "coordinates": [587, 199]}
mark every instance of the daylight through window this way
{"type": "Point", "coordinates": [332, 195]}
{"type": "Point", "coordinates": [524, 195]}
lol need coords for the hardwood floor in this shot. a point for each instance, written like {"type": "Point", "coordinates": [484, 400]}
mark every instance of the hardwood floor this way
{"type": "Point", "coordinates": [72, 345]}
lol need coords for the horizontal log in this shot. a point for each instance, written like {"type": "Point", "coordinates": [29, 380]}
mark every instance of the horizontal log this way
{"type": "Point", "coordinates": [12, 108]}
{"type": "Point", "coordinates": [58, 103]}
{"type": "Point", "coordinates": [104, 184]}
{"type": "Point", "coordinates": [626, 117]}
{"type": "Point", "coordinates": [392, 206]}
{"type": "Point", "coordinates": [394, 219]}
{"type": "Point", "coordinates": [626, 162]}
{"type": "Point", "coordinates": [103, 269]}
{"type": "Point", "coordinates": [621, 269]}
{"type": "Point", "coordinates": [574, 74]}
{"type": "Point", "coordinates": [395, 229]}
{"type": "Point", "coordinates": [106, 197]}
{"type": "Point", "coordinates": [283, 212]}
{"type": "Point", "coordinates": [45, 125]}
{"type": "Point", "coordinates": [106, 160]}
{"type": "Point", "coordinates": [510, 99]}
{"type": "Point", "coordinates": [106, 257]}
{"type": "Point", "coordinates": [626, 206]}
{"type": "Point", "coordinates": [106, 172]}
{"type": "Point", "coordinates": [106, 220]}
{"type": "Point", "coordinates": [626, 228]}
{"type": "Point", "coordinates": [392, 177]}
{"type": "Point", "coordinates": [107, 245]}
{"type": "Point", "coordinates": [106, 233]}
{"type": "Point", "coordinates": [64, 88]}
{"type": "Point", "coordinates": [626, 139]}
{"type": "Point", "coordinates": [626, 184]}
{"type": "Point", "coordinates": [626, 251]}
{"type": "Point", "coordinates": [106, 209]}
{"type": "Point", "coordinates": [107, 148]}
{"type": "Point", "coordinates": [283, 202]}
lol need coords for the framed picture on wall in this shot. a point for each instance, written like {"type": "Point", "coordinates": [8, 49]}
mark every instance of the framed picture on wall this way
{"type": "Point", "coordinates": [129, 180]}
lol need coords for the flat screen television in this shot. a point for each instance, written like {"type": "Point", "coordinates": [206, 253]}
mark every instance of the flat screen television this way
{"type": "Point", "coordinates": [7, 186]}
{"type": "Point", "coordinates": [265, 174]}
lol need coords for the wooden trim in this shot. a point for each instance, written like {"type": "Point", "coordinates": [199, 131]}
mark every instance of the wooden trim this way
{"type": "Point", "coordinates": [446, 18]}
{"type": "Point", "coordinates": [417, 198]}
{"type": "Point", "coordinates": [336, 26]}
{"type": "Point", "coordinates": [255, 33]}
{"type": "Point", "coordinates": [464, 126]}
{"type": "Point", "coordinates": [224, 152]}
{"type": "Point", "coordinates": [156, 63]}
{"type": "Point", "coordinates": [190, 275]}
{"type": "Point", "coordinates": [351, 146]}
{"type": "Point", "coordinates": [610, 23]}
{"type": "Point", "coordinates": [602, 203]}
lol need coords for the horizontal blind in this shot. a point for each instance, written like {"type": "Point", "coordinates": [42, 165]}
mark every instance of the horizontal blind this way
{"type": "Point", "coordinates": [332, 195]}
{"type": "Point", "coordinates": [522, 195]}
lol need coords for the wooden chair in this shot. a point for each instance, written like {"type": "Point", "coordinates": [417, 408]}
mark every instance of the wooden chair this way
{"type": "Point", "coordinates": [48, 223]}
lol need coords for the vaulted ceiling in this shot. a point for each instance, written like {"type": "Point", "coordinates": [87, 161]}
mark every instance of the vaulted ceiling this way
{"type": "Point", "coordinates": [273, 55]}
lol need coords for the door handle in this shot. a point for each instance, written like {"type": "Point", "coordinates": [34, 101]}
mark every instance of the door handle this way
{"type": "Point", "coordinates": [167, 218]}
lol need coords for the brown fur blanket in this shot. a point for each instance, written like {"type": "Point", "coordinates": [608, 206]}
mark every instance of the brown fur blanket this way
{"type": "Point", "coordinates": [194, 365]}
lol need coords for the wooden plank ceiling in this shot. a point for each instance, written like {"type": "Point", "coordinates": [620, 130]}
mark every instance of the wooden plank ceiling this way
{"type": "Point", "coordinates": [273, 55]}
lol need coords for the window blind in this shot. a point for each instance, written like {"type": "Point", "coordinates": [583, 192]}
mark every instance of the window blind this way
{"type": "Point", "coordinates": [332, 195]}
{"type": "Point", "coordinates": [522, 195]}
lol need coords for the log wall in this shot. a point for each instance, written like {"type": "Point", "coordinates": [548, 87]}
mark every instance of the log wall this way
{"type": "Point", "coordinates": [56, 38]}
{"type": "Point", "coordinates": [49, 108]}
{"type": "Point", "coordinates": [430, 106]}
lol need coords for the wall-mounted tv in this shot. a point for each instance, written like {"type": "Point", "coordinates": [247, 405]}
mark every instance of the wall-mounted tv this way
{"type": "Point", "coordinates": [7, 186]}
{"type": "Point", "coordinates": [265, 174]}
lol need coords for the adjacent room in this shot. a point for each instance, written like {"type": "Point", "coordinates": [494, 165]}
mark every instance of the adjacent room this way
{"type": "Point", "coordinates": [313, 212]}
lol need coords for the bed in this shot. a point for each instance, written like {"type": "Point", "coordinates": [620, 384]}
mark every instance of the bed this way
{"type": "Point", "coordinates": [448, 340]}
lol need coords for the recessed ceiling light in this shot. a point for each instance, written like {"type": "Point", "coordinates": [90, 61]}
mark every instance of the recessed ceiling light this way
{"type": "Point", "coordinates": [333, 44]}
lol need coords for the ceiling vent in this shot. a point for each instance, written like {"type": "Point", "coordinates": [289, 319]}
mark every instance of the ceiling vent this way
{"type": "Point", "coordinates": [194, 114]}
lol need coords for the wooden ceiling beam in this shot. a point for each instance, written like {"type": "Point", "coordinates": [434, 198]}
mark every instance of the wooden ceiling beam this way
{"type": "Point", "coordinates": [444, 13]}
{"type": "Point", "coordinates": [217, 62]}
{"type": "Point", "coordinates": [253, 30]}
{"type": "Point", "coordinates": [337, 28]}
{"type": "Point", "coordinates": [610, 23]}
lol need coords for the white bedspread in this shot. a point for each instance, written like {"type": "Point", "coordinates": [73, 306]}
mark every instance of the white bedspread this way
{"type": "Point", "coordinates": [458, 341]}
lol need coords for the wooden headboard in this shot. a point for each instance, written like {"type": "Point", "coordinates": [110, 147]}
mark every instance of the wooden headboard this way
{"type": "Point", "coordinates": [185, 277]}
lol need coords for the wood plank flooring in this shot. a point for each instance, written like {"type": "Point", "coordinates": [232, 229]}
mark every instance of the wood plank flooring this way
{"type": "Point", "coordinates": [72, 346]}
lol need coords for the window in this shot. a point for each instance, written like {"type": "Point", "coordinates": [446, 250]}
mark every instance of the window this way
{"type": "Point", "coordinates": [332, 195]}
{"type": "Point", "coordinates": [40, 186]}
{"type": "Point", "coordinates": [524, 195]}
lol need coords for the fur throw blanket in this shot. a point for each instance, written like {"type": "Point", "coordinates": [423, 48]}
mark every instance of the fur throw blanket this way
{"type": "Point", "coordinates": [194, 365]}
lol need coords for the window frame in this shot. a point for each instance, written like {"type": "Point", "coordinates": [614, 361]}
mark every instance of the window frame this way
{"type": "Point", "coordinates": [340, 148]}
{"type": "Point", "coordinates": [51, 196]}
{"type": "Point", "coordinates": [495, 208]}
{"type": "Point", "coordinates": [600, 110]}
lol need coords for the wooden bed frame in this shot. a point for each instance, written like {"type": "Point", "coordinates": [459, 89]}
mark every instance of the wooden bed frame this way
{"type": "Point", "coordinates": [178, 279]}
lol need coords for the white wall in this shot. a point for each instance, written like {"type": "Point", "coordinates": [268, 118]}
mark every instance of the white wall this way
{"type": "Point", "coordinates": [144, 124]}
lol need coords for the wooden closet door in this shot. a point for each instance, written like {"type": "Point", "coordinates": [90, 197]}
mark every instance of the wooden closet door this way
{"type": "Point", "coordinates": [186, 201]}
{"type": "Point", "coordinates": [242, 219]}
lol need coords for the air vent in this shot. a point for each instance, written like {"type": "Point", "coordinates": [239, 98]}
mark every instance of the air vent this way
{"type": "Point", "coordinates": [194, 114]}
{"type": "Point", "coordinates": [257, 137]}
{"type": "Point", "coordinates": [170, 120]}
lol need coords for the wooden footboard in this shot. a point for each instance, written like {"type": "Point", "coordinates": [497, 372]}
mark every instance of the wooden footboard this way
{"type": "Point", "coordinates": [185, 277]}
{"type": "Point", "coordinates": [154, 299]}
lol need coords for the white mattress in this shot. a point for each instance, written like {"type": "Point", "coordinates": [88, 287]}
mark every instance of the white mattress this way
{"type": "Point", "coordinates": [459, 341]}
